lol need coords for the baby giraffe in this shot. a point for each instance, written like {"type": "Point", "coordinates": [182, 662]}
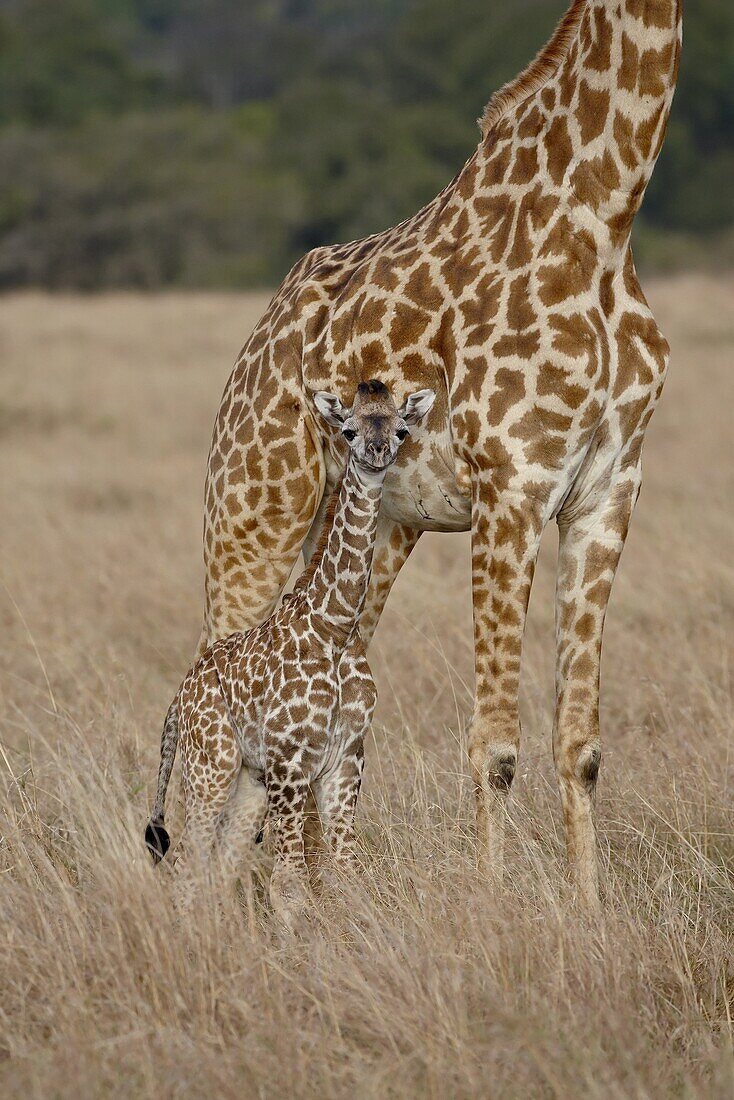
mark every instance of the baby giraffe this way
{"type": "Point", "coordinates": [267, 718]}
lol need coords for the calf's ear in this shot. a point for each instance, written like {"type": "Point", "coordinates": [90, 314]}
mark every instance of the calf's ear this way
{"type": "Point", "coordinates": [331, 408]}
{"type": "Point", "coordinates": [417, 406]}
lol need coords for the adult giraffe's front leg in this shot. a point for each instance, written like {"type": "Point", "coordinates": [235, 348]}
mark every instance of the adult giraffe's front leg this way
{"type": "Point", "coordinates": [592, 536]}
{"type": "Point", "coordinates": [506, 530]}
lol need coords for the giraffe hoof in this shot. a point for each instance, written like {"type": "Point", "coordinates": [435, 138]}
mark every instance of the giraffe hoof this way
{"type": "Point", "coordinates": [259, 837]}
{"type": "Point", "coordinates": [288, 908]}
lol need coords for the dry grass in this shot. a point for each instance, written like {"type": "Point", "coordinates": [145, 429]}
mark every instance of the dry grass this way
{"type": "Point", "coordinates": [413, 982]}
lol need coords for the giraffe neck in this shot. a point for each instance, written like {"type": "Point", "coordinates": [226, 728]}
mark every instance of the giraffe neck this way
{"type": "Point", "coordinates": [595, 103]}
{"type": "Point", "coordinates": [617, 84]}
{"type": "Point", "coordinates": [338, 585]}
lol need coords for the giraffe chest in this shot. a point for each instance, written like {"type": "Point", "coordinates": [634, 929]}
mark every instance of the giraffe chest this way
{"type": "Point", "coordinates": [429, 488]}
{"type": "Point", "coordinates": [287, 702]}
{"type": "Point", "coordinates": [432, 492]}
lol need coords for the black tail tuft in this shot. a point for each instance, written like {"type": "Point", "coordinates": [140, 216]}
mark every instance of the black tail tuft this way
{"type": "Point", "coordinates": [157, 839]}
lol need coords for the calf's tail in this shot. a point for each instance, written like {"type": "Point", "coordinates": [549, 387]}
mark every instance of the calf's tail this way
{"type": "Point", "coordinates": [156, 836]}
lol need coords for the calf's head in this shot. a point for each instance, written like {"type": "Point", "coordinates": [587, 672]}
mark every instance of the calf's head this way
{"type": "Point", "coordinates": [374, 427]}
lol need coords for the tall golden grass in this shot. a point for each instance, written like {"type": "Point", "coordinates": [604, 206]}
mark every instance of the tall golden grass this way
{"type": "Point", "coordinates": [410, 981]}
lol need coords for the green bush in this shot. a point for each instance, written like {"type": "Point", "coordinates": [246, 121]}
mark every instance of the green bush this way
{"type": "Point", "coordinates": [179, 197]}
{"type": "Point", "coordinates": [153, 142]}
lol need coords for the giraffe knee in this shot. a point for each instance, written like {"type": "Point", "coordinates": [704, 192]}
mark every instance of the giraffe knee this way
{"type": "Point", "coordinates": [501, 770]}
{"type": "Point", "coordinates": [494, 766]}
{"type": "Point", "coordinates": [581, 766]}
{"type": "Point", "coordinates": [588, 765]}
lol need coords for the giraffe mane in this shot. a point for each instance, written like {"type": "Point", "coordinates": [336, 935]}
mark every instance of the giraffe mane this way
{"type": "Point", "coordinates": [307, 574]}
{"type": "Point", "coordinates": [538, 72]}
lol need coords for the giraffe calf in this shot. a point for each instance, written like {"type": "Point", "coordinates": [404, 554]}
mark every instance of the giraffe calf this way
{"type": "Point", "coordinates": [267, 719]}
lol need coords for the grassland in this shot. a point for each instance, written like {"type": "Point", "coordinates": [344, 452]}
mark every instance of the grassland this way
{"type": "Point", "coordinates": [413, 982]}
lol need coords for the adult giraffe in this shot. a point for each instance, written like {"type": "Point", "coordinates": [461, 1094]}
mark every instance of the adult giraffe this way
{"type": "Point", "coordinates": [514, 296]}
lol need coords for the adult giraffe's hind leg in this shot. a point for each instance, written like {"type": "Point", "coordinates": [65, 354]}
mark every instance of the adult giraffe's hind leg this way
{"type": "Point", "coordinates": [592, 537]}
{"type": "Point", "coordinates": [264, 483]}
{"type": "Point", "coordinates": [506, 531]}
{"type": "Point", "coordinates": [393, 545]}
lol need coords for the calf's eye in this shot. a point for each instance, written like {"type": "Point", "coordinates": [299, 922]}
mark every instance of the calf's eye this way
{"type": "Point", "coordinates": [349, 434]}
{"type": "Point", "coordinates": [402, 434]}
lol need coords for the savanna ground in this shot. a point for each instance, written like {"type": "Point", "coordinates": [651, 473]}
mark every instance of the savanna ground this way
{"type": "Point", "coordinates": [414, 982]}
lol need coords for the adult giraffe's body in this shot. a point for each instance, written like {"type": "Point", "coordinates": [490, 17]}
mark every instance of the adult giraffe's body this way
{"type": "Point", "coordinates": [514, 296]}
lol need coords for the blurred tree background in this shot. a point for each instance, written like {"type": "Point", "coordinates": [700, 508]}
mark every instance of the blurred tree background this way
{"type": "Point", "coordinates": [212, 142]}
